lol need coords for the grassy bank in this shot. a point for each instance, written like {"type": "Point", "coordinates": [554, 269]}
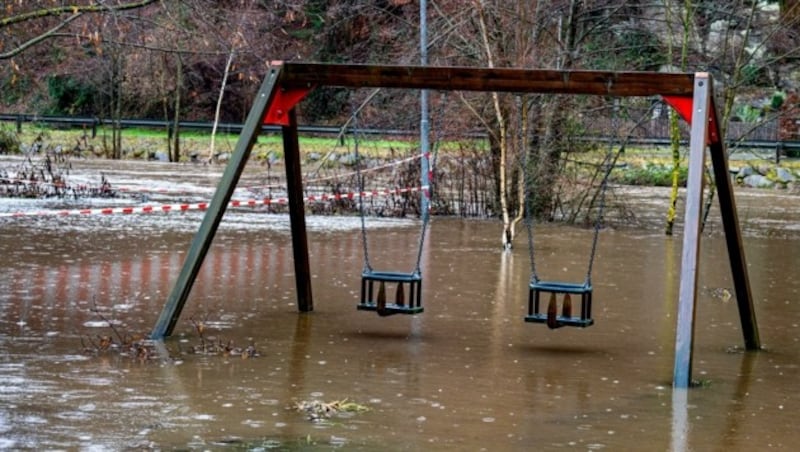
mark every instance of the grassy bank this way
{"type": "Point", "coordinates": [144, 143]}
{"type": "Point", "coordinates": [651, 166]}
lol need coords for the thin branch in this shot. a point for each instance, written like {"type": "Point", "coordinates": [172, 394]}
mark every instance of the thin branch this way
{"type": "Point", "coordinates": [219, 101]}
{"type": "Point", "coordinates": [39, 39]}
{"type": "Point", "coordinates": [135, 45]}
{"type": "Point", "coordinates": [74, 9]}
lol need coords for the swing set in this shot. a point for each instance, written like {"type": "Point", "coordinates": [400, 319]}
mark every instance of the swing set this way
{"type": "Point", "coordinates": [286, 84]}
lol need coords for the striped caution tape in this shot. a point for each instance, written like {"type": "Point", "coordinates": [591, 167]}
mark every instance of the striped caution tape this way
{"type": "Point", "coordinates": [108, 210]}
{"type": "Point", "coordinates": [167, 208]}
{"type": "Point", "coordinates": [128, 189]}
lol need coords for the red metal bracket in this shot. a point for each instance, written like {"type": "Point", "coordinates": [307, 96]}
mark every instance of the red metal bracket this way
{"type": "Point", "coordinates": [684, 106]}
{"type": "Point", "coordinates": [283, 101]}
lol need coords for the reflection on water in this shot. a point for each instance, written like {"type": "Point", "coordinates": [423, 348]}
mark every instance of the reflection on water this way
{"type": "Point", "coordinates": [469, 373]}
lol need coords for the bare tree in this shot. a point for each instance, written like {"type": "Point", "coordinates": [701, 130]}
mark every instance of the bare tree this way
{"type": "Point", "coordinates": [741, 43]}
{"type": "Point", "coordinates": [16, 26]}
{"type": "Point", "coordinates": [531, 128]}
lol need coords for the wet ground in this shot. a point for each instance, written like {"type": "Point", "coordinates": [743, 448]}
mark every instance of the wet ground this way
{"type": "Point", "coordinates": [467, 374]}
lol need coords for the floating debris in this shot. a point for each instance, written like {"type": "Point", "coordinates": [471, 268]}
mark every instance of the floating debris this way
{"type": "Point", "coordinates": [721, 293]}
{"type": "Point", "coordinates": [220, 347]}
{"type": "Point", "coordinates": [137, 347]}
{"type": "Point", "coordinates": [318, 411]}
{"type": "Point", "coordinates": [215, 346]}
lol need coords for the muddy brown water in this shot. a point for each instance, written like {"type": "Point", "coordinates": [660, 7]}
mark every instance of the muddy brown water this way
{"type": "Point", "coordinates": [467, 374]}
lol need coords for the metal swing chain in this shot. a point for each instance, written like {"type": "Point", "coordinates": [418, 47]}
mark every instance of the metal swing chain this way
{"type": "Point", "coordinates": [360, 183]}
{"type": "Point", "coordinates": [609, 162]}
{"type": "Point", "coordinates": [597, 223]}
{"type": "Point", "coordinates": [421, 243]}
{"type": "Point", "coordinates": [423, 229]}
{"type": "Point", "coordinates": [360, 179]}
{"type": "Point", "coordinates": [528, 194]}
{"type": "Point", "coordinates": [429, 190]}
{"type": "Point", "coordinates": [609, 165]}
{"type": "Point", "coordinates": [529, 227]}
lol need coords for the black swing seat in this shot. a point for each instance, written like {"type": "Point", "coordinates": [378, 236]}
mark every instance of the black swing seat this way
{"type": "Point", "coordinates": [373, 300]}
{"type": "Point", "coordinates": [535, 315]}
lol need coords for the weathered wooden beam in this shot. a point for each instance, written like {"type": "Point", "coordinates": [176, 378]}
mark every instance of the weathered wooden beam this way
{"type": "Point", "coordinates": [306, 75]}
{"type": "Point", "coordinates": [733, 240]}
{"type": "Point", "coordinates": [297, 214]}
{"type": "Point", "coordinates": [216, 209]}
{"type": "Point", "coordinates": [687, 292]}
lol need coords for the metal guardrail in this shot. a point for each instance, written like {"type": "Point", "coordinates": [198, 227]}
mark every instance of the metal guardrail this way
{"type": "Point", "coordinates": [780, 147]}
{"type": "Point", "coordinates": [223, 127]}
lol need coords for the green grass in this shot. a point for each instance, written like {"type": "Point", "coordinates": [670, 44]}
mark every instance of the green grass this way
{"type": "Point", "coordinates": [199, 141]}
{"type": "Point", "coordinates": [645, 166]}
{"type": "Point", "coordinates": [650, 175]}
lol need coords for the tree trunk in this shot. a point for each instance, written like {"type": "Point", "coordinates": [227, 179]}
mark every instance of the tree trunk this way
{"type": "Point", "coordinates": [674, 130]}
{"type": "Point", "coordinates": [219, 101]}
{"type": "Point", "coordinates": [501, 136]}
{"type": "Point", "coordinates": [115, 100]}
{"type": "Point", "coordinates": [176, 130]}
{"type": "Point", "coordinates": [547, 165]}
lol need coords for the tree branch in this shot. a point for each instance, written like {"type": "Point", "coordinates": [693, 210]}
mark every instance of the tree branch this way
{"type": "Point", "coordinates": [38, 39]}
{"type": "Point", "coordinates": [74, 9]}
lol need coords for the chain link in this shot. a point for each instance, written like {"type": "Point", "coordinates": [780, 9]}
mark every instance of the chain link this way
{"type": "Point", "coordinates": [360, 183]}
{"type": "Point", "coordinates": [426, 192]}
{"type": "Point", "coordinates": [526, 179]}
{"type": "Point", "coordinates": [608, 164]}
{"type": "Point", "coordinates": [425, 220]}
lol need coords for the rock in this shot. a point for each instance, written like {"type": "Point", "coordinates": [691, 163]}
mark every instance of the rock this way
{"type": "Point", "coordinates": [744, 172]}
{"type": "Point", "coordinates": [757, 181]}
{"type": "Point", "coordinates": [784, 176]}
{"type": "Point", "coordinates": [763, 169]}
{"type": "Point", "coordinates": [747, 171]}
{"type": "Point", "coordinates": [348, 159]}
{"type": "Point", "coordinates": [158, 156]}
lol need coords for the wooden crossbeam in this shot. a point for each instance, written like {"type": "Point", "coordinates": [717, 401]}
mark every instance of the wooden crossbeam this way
{"type": "Point", "coordinates": [307, 75]}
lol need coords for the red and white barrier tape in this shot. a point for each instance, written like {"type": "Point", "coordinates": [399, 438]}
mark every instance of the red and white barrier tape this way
{"type": "Point", "coordinates": [165, 191]}
{"type": "Point", "coordinates": [166, 208]}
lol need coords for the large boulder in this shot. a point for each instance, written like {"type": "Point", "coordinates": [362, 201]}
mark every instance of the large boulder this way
{"type": "Point", "coordinates": [784, 176]}
{"type": "Point", "coordinates": [744, 172]}
{"type": "Point", "coordinates": [757, 181]}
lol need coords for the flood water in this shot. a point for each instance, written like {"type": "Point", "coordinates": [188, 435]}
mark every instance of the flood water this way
{"type": "Point", "coordinates": [467, 374]}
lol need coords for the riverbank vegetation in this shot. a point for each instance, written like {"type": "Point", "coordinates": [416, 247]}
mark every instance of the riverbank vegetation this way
{"type": "Point", "coordinates": [464, 173]}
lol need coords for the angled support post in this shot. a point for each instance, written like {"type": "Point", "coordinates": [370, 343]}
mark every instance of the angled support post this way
{"type": "Point", "coordinates": [202, 240]}
{"type": "Point", "coordinates": [733, 240]}
{"type": "Point", "coordinates": [297, 215]}
{"type": "Point", "coordinates": [705, 132]}
{"type": "Point", "coordinates": [687, 294]}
